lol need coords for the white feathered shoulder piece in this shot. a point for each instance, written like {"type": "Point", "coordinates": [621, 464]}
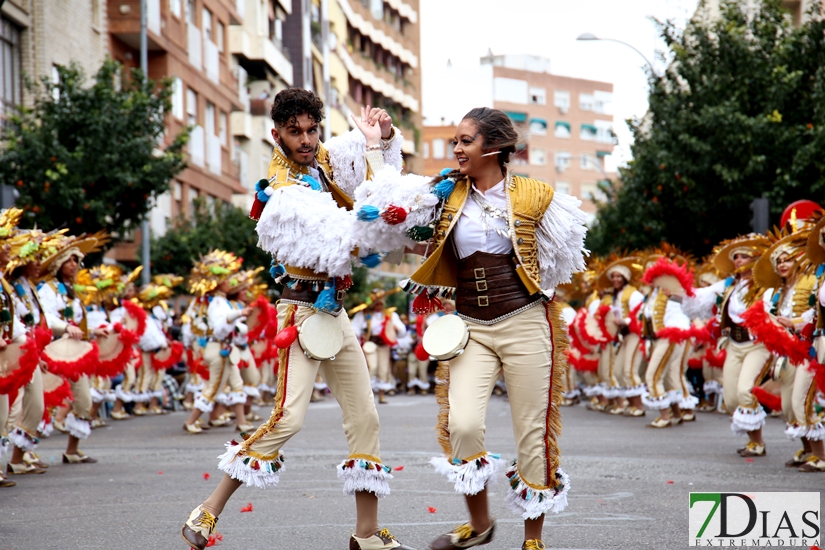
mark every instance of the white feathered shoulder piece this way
{"type": "Point", "coordinates": [401, 201]}
{"type": "Point", "coordinates": [306, 228]}
{"type": "Point", "coordinates": [560, 239]}
{"type": "Point", "coordinates": [346, 157]}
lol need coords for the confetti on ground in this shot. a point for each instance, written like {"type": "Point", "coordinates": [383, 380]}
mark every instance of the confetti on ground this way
{"type": "Point", "coordinates": [669, 482]}
{"type": "Point", "coordinates": [160, 472]}
{"type": "Point", "coordinates": [748, 460]}
{"type": "Point", "coordinates": [247, 508]}
{"type": "Point", "coordinates": [398, 468]}
{"type": "Point", "coordinates": [206, 476]}
{"type": "Point", "coordinates": [431, 510]}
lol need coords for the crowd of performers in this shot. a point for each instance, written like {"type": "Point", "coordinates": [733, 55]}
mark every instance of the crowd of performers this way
{"type": "Point", "coordinates": [749, 318]}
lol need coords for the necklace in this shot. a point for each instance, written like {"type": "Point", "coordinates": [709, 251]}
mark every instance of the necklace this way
{"type": "Point", "coordinates": [490, 213]}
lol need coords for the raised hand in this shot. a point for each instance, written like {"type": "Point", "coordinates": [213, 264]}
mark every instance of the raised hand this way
{"type": "Point", "coordinates": [370, 129]}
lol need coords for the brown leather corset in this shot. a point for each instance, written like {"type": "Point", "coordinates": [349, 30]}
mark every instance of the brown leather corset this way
{"type": "Point", "coordinates": [489, 287]}
{"type": "Point", "coordinates": [303, 293]}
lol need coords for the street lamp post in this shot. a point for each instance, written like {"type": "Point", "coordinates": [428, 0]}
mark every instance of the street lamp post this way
{"type": "Point", "coordinates": [144, 226]}
{"type": "Point", "coordinates": [590, 37]}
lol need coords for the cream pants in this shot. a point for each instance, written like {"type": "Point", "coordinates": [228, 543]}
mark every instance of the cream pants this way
{"type": "Point", "coordinates": [348, 380]}
{"type": "Point", "coordinates": [804, 392]}
{"type": "Point", "coordinates": [268, 375]}
{"type": "Point", "coordinates": [522, 348]}
{"type": "Point", "coordinates": [82, 404]}
{"type": "Point", "coordinates": [417, 372]}
{"type": "Point", "coordinates": [379, 364]}
{"type": "Point", "coordinates": [630, 358]}
{"type": "Point", "coordinates": [745, 365]}
{"type": "Point", "coordinates": [223, 371]}
{"type": "Point", "coordinates": [664, 371]}
{"type": "Point", "coordinates": [607, 370]}
{"type": "Point", "coordinates": [27, 411]}
{"type": "Point", "coordinates": [250, 374]}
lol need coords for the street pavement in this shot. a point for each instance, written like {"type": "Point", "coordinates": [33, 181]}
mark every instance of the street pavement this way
{"type": "Point", "coordinates": [629, 484]}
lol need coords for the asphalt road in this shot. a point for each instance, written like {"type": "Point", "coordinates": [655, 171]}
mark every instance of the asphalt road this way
{"type": "Point", "coordinates": [629, 484]}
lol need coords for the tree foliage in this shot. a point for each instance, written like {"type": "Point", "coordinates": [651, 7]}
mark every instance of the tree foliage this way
{"type": "Point", "coordinates": [87, 158]}
{"type": "Point", "coordinates": [219, 225]}
{"type": "Point", "coordinates": [739, 114]}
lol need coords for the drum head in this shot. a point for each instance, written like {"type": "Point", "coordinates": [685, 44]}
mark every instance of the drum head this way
{"type": "Point", "coordinates": [591, 326]}
{"type": "Point", "coordinates": [51, 382]}
{"type": "Point", "coordinates": [110, 346]}
{"type": "Point", "coordinates": [369, 347]}
{"type": "Point", "coordinates": [445, 337]}
{"type": "Point", "coordinates": [67, 350]}
{"type": "Point", "coordinates": [670, 283]}
{"type": "Point", "coordinates": [10, 359]}
{"type": "Point", "coordinates": [390, 334]}
{"type": "Point", "coordinates": [320, 336]}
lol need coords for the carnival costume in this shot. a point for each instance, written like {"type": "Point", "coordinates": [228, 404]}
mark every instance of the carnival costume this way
{"type": "Point", "coordinates": [379, 332]}
{"type": "Point", "coordinates": [500, 253]}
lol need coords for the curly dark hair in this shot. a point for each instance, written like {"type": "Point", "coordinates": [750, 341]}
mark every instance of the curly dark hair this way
{"type": "Point", "coordinates": [293, 102]}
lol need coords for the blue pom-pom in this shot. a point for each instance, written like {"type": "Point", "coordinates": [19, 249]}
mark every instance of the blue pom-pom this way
{"type": "Point", "coordinates": [445, 171]}
{"type": "Point", "coordinates": [202, 341]}
{"type": "Point", "coordinates": [261, 185]}
{"type": "Point", "coordinates": [368, 213]}
{"type": "Point", "coordinates": [326, 299]}
{"type": "Point", "coordinates": [371, 260]}
{"type": "Point", "coordinates": [224, 353]}
{"type": "Point", "coordinates": [312, 182]}
{"type": "Point", "coordinates": [262, 196]}
{"type": "Point", "coordinates": [820, 270]}
{"type": "Point", "coordinates": [444, 189]}
{"type": "Point", "coordinates": [277, 270]}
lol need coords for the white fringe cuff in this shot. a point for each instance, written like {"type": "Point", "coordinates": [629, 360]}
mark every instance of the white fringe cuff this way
{"type": "Point", "coordinates": [23, 440]}
{"type": "Point", "coordinates": [249, 470]}
{"type": "Point", "coordinates": [45, 429]}
{"type": "Point", "coordinates": [320, 386]}
{"type": "Point", "coordinates": [635, 391]}
{"type": "Point", "coordinates": [814, 432]}
{"type": "Point", "coordinates": [77, 427]}
{"type": "Point", "coordinates": [711, 387]}
{"type": "Point", "coordinates": [611, 393]}
{"type": "Point", "coordinates": [194, 388]}
{"type": "Point", "coordinates": [97, 397]}
{"type": "Point", "coordinates": [688, 403]}
{"type": "Point", "coordinates": [386, 386]}
{"type": "Point", "coordinates": [656, 403]}
{"type": "Point", "coordinates": [203, 405]}
{"type": "Point", "coordinates": [4, 445]}
{"type": "Point", "coordinates": [471, 477]}
{"type": "Point", "coordinates": [123, 395]}
{"type": "Point", "coordinates": [592, 391]}
{"type": "Point", "coordinates": [141, 397]}
{"type": "Point", "coordinates": [415, 382]}
{"type": "Point", "coordinates": [366, 476]}
{"type": "Point", "coordinates": [109, 396]}
{"type": "Point", "coordinates": [531, 503]}
{"type": "Point", "coordinates": [251, 391]}
{"type": "Point", "coordinates": [747, 420]}
{"type": "Point", "coordinates": [235, 398]}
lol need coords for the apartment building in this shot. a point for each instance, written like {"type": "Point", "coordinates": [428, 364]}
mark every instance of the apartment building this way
{"type": "Point", "coordinates": [437, 149]}
{"type": "Point", "coordinates": [38, 35]}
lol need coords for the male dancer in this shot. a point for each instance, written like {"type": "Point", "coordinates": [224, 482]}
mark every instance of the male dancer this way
{"type": "Point", "coordinates": [304, 223]}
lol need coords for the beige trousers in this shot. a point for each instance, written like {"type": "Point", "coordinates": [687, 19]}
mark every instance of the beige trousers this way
{"type": "Point", "coordinates": [803, 399]}
{"type": "Point", "coordinates": [379, 364]}
{"type": "Point", "coordinates": [348, 380]}
{"type": "Point", "coordinates": [31, 406]}
{"type": "Point", "coordinates": [630, 361]}
{"type": "Point", "coordinates": [786, 378]}
{"type": "Point", "coordinates": [223, 372]}
{"type": "Point", "coordinates": [745, 365]}
{"type": "Point", "coordinates": [608, 373]}
{"type": "Point", "coordinates": [522, 347]}
{"type": "Point", "coordinates": [4, 417]}
{"type": "Point", "coordinates": [417, 372]}
{"type": "Point", "coordinates": [145, 375]}
{"type": "Point", "coordinates": [664, 374]}
{"type": "Point", "coordinates": [250, 375]}
{"type": "Point", "coordinates": [269, 377]}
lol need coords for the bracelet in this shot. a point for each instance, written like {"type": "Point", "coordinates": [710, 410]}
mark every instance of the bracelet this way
{"type": "Point", "coordinates": [373, 147]}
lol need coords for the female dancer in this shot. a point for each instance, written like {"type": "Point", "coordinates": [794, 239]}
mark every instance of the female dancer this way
{"type": "Point", "coordinates": [501, 243]}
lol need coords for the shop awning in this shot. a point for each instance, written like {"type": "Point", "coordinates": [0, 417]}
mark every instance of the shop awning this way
{"type": "Point", "coordinates": [516, 117]}
{"type": "Point", "coordinates": [601, 154]}
{"type": "Point", "coordinates": [589, 128]}
{"type": "Point", "coordinates": [564, 124]}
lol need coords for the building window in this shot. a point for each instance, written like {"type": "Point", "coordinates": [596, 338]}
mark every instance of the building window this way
{"type": "Point", "coordinates": [591, 192]}
{"type": "Point", "coordinates": [191, 107]}
{"type": "Point", "coordinates": [210, 119]}
{"type": "Point", "coordinates": [562, 161]}
{"type": "Point", "coordinates": [562, 129]}
{"type": "Point", "coordinates": [562, 187]}
{"type": "Point", "coordinates": [177, 194]}
{"type": "Point", "coordinates": [604, 131]}
{"type": "Point", "coordinates": [588, 132]}
{"type": "Point", "coordinates": [538, 96]}
{"type": "Point", "coordinates": [587, 162]}
{"type": "Point", "coordinates": [561, 100]}
{"type": "Point", "coordinates": [438, 148]}
{"type": "Point", "coordinates": [10, 80]}
{"type": "Point", "coordinates": [603, 102]}
{"type": "Point", "coordinates": [193, 196]}
{"type": "Point", "coordinates": [174, 7]}
{"type": "Point", "coordinates": [426, 149]}
{"type": "Point", "coordinates": [586, 102]}
{"type": "Point", "coordinates": [538, 157]}
{"type": "Point", "coordinates": [219, 36]}
{"type": "Point", "coordinates": [190, 12]}
{"type": "Point", "coordinates": [177, 98]}
{"type": "Point", "coordinates": [207, 24]}
{"type": "Point", "coordinates": [377, 8]}
{"type": "Point", "coordinates": [222, 129]}
{"type": "Point", "coordinates": [538, 126]}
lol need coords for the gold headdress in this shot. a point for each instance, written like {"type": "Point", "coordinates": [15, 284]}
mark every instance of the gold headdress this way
{"type": "Point", "coordinates": [99, 285]}
{"type": "Point", "coordinates": [706, 273]}
{"type": "Point", "coordinates": [34, 246]}
{"type": "Point", "coordinates": [211, 270]}
{"type": "Point", "coordinates": [783, 242]}
{"type": "Point", "coordinates": [168, 280]}
{"type": "Point", "coordinates": [753, 244]}
{"type": "Point", "coordinates": [152, 295]}
{"type": "Point", "coordinates": [630, 267]}
{"type": "Point", "coordinates": [72, 246]}
{"type": "Point", "coordinates": [247, 279]}
{"type": "Point", "coordinates": [9, 220]}
{"type": "Point", "coordinates": [666, 250]}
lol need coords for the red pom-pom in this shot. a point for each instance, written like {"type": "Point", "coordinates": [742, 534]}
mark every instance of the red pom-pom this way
{"type": "Point", "coordinates": [43, 336]}
{"type": "Point", "coordinates": [420, 353]}
{"type": "Point", "coordinates": [343, 283]}
{"type": "Point", "coordinates": [394, 215]}
{"type": "Point", "coordinates": [286, 337]}
{"type": "Point", "coordinates": [695, 363]}
{"type": "Point", "coordinates": [424, 304]}
{"type": "Point", "coordinates": [766, 398]}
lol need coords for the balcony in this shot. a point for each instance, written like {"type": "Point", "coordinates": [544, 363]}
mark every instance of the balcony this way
{"type": "Point", "coordinates": [215, 154]}
{"type": "Point", "coordinates": [260, 49]}
{"type": "Point", "coordinates": [211, 61]}
{"type": "Point", "coordinates": [194, 46]}
{"type": "Point", "coordinates": [240, 123]}
{"type": "Point", "coordinates": [369, 78]}
{"type": "Point", "coordinates": [196, 146]}
{"type": "Point", "coordinates": [124, 23]}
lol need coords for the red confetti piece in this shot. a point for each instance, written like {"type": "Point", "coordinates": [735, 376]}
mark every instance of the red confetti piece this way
{"type": "Point", "coordinates": [247, 508]}
{"type": "Point", "coordinates": [669, 482]}
{"type": "Point", "coordinates": [748, 460]}
{"type": "Point", "coordinates": [218, 536]}
{"type": "Point", "coordinates": [206, 475]}
{"type": "Point", "coordinates": [212, 541]}
{"type": "Point", "coordinates": [398, 468]}
{"type": "Point", "coordinates": [431, 510]}
{"type": "Point", "coordinates": [160, 472]}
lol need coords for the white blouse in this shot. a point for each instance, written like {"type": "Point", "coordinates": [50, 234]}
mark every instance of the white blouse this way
{"type": "Point", "coordinates": [469, 235]}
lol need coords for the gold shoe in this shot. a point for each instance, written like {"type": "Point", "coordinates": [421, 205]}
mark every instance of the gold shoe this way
{"type": "Point", "coordinates": [192, 428]}
{"type": "Point", "coordinates": [187, 405]}
{"type": "Point", "coordinates": [634, 412]}
{"type": "Point", "coordinates": [6, 482]}
{"type": "Point", "coordinates": [618, 410]}
{"type": "Point", "coordinates": [244, 428]}
{"type": "Point", "coordinates": [23, 469]}
{"type": "Point", "coordinates": [98, 423]}
{"type": "Point", "coordinates": [689, 416]}
{"type": "Point", "coordinates": [754, 449]}
{"type": "Point", "coordinates": [382, 400]}
{"type": "Point", "coordinates": [218, 423]}
{"type": "Point", "coordinates": [463, 536]}
{"type": "Point", "coordinates": [30, 457]}
{"type": "Point", "coordinates": [201, 424]}
{"type": "Point", "coordinates": [139, 411]}
{"type": "Point", "coordinates": [660, 423]}
{"type": "Point", "coordinates": [382, 540]}
{"type": "Point", "coordinates": [533, 544]}
{"type": "Point", "coordinates": [799, 458]}
{"type": "Point", "coordinates": [78, 458]}
{"type": "Point", "coordinates": [198, 527]}
{"type": "Point", "coordinates": [120, 415]}
{"type": "Point", "coordinates": [60, 426]}
{"type": "Point", "coordinates": [253, 417]}
{"type": "Point", "coordinates": [813, 464]}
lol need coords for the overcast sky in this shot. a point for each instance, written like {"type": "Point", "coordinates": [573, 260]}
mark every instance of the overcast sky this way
{"type": "Point", "coordinates": [462, 31]}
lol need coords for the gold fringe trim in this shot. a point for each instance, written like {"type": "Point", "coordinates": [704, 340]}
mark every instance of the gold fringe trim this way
{"type": "Point", "coordinates": [278, 409]}
{"type": "Point", "coordinates": [561, 345]}
{"type": "Point", "coordinates": [810, 413]}
{"type": "Point", "coordinates": [442, 397]}
{"type": "Point", "coordinates": [364, 457]}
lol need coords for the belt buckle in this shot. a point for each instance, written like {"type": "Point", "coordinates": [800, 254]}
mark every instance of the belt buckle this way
{"type": "Point", "coordinates": [479, 273]}
{"type": "Point", "coordinates": [339, 295]}
{"type": "Point", "coordinates": [483, 301]}
{"type": "Point", "coordinates": [481, 286]}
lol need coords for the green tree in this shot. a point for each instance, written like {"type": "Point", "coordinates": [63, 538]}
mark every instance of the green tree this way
{"type": "Point", "coordinates": [220, 225]}
{"type": "Point", "coordinates": [88, 158]}
{"type": "Point", "coordinates": [739, 114]}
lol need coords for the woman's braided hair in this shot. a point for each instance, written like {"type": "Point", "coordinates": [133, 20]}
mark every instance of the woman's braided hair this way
{"type": "Point", "coordinates": [497, 132]}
